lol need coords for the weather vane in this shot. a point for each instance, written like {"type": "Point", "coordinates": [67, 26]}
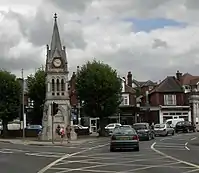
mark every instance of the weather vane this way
{"type": "Point", "coordinates": [55, 16]}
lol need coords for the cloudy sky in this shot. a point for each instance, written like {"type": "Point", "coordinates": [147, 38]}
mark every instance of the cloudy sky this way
{"type": "Point", "coordinates": [150, 38]}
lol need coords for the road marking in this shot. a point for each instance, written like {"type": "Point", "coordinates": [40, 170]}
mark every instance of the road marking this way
{"type": "Point", "coordinates": [15, 150]}
{"type": "Point", "coordinates": [6, 152]}
{"type": "Point", "coordinates": [194, 138]}
{"type": "Point", "coordinates": [149, 167]}
{"type": "Point", "coordinates": [191, 171]}
{"type": "Point", "coordinates": [41, 155]}
{"type": "Point", "coordinates": [67, 156]}
{"type": "Point", "coordinates": [166, 146]}
{"type": "Point", "coordinates": [173, 158]}
{"type": "Point", "coordinates": [164, 139]}
{"type": "Point", "coordinates": [185, 145]}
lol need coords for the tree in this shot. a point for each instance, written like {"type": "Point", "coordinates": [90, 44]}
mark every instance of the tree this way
{"type": "Point", "coordinates": [10, 90]}
{"type": "Point", "coordinates": [99, 87]}
{"type": "Point", "coordinates": [36, 92]}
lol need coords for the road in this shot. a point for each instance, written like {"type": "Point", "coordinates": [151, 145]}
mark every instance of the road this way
{"type": "Point", "coordinates": [174, 154]}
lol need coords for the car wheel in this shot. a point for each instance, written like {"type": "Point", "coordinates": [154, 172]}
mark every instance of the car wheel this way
{"type": "Point", "coordinates": [172, 133]}
{"type": "Point", "coordinates": [149, 137]}
{"type": "Point", "coordinates": [112, 149]}
{"type": "Point", "coordinates": [137, 148]}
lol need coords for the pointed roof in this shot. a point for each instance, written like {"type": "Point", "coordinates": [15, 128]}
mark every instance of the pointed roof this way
{"type": "Point", "coordinates": [170, 84]}
{"type": "Point", "coordinates": [187, 78]}
{"type": "Point", "coordinates": [144, 83]}
{"type": "Point", "coordinates": [56, 41]}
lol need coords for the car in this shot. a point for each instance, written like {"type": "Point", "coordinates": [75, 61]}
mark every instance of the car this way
{"type": "Point", "coordinates": [173, 122]}
{"type": "Point", "coordinates": [124, 138]}
{"type": "Point", "coordinates": [110, 127]}
{"type": "Point", "coordinates": [185, 126]}
{"type": "Point", "coordinates": [144, 131]}
{"type": "Point", "coordinates": [163, 130]}
{"type": "Point", "coordinates": [124, 126]}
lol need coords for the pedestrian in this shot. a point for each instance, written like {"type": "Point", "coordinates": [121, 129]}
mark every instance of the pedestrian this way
{"type": "Point", "coordinates": [62, 134]}
{"type": "Point", "coordinates": [68, 133]}
{"type": "Point", "coordinates": [58, 129]}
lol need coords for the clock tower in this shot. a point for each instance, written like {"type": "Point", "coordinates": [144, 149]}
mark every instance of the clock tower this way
{"type": "Point", "coordinates": [56, 86]}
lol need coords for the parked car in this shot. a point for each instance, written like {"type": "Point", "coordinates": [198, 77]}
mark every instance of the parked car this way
{"type": "Point", "coordinates": [124, 138]}
{"type": "Point", "coordinates": [173, 122]}
{"type": "Point", "coordinates": [185, 126]}
{"type": "Point", "coordinates": [163, 130]}
{"type": "Point", "coordinates": [110, 127]}
{"type": "Point", "coordinates": [144, 131]}
{"type": "Point", "coordinates": [81, 131]}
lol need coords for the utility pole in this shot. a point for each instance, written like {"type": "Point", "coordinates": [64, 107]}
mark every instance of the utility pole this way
{"type": "Point", "coordinates": [22, 76]}
{"type": "Point", "coordinates": [79, 102]}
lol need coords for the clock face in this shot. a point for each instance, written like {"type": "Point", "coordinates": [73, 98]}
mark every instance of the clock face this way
{"type": "Point", "coordinates": [57, 62]}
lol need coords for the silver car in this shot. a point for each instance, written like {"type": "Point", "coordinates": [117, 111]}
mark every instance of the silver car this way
{"type": "Point", "coordinates": [163, 130]}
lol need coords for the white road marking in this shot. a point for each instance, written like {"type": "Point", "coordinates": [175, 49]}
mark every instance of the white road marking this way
{"type": "Point", "coordinates": [185, 145]}
{"type": "Point", "coordinates": [152, 166]}
{"type": "Point", "coordinates": [166, 146]}
{"type": "Point", "coordinates": [193, 138]}
{"type": "Point", "coordinates": [41, 155]}
{"type": "Point", "coordinates": [191, 171]}
{"type": "Point", "coordinates": [168, 143]}
{"type": "Point", "coordinates": [67, 156]}
{"type": "Point", "coordinates": [164, 139]}
{"type": "Point", "coordinates": [15, 150]}
{"type": "Point", "coordinates": [6, 152]}
{"type": "Point", "coordinates": [173, 158]}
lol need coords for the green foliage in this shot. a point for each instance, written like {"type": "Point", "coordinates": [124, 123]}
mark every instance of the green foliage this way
{"type": "Point", "coordinates": [36, 92]}
{"type": "Point", "coordinates": [98, 85]}
{"type": "Point", "coordinates": [10, 90]}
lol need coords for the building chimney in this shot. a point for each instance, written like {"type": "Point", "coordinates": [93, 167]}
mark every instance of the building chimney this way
{"type": "Point", "coordinates": [178, 75]}
{"type": "Point", "coordinates": [129, 79]}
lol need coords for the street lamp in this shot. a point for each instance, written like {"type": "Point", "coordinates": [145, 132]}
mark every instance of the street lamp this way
{"type": "Point", "coordinates": [137, 115]}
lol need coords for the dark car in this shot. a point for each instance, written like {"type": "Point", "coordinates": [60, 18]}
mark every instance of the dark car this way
{"type": "Point", "coordinates": [185, 126]}
{"type": "Point", "coordinates": [144, 131]}
{"type": "Point", "coordinates": [124, 138]}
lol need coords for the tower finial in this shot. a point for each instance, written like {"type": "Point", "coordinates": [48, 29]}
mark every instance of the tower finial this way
{"type": "Point", "coordinates": [55, 16]}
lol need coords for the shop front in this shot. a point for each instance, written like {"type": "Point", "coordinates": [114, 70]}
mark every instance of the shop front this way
{"type": "Point", "coordinates": [174, 112]}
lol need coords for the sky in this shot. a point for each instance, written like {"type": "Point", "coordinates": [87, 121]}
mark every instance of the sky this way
{"type": "Point", "coordinates": [152, 39]}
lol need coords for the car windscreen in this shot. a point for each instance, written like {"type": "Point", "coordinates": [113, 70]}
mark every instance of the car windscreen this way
{"type": "Point", "coordinates": [110, 125]}
{"type": "Point", "coordinates": [124, 131]}
{"type": "Point", "coordinates": [159, 126]}
{"type": "Point", "coordinates": [139, 126]}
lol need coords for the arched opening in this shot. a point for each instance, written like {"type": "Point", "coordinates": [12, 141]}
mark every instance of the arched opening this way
{"type": "Point", "coordinates": [62, 85]}
{"type": "Point", "coordinates": [58, 85]}
{"type": "Point", "coordinates": [53, 85]}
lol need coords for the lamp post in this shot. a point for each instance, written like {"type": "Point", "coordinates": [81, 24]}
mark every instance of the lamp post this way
{"type": "Point", "coordinates": [22, 76]}
{"type": "Point", "coordinates": [137, 114]}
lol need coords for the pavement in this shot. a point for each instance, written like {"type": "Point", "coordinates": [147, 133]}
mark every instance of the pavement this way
{"type": "Point", "coordinates": [174, 154]}
{"type": "Point", "coordinates": [48, 143]}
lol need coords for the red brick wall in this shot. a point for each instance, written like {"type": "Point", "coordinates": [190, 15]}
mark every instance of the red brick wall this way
{"type": "Point", "coordinates": [158, 99]}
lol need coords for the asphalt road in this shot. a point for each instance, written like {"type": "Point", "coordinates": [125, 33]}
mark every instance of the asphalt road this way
{"type": "Point", "coordinates": [174, 154]}
{"type": "Point", "coordinates": [30, 159]}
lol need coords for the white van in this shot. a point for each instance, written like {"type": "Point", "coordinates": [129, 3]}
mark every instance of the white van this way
{"type": "Point", "coordinates": [173, 122]}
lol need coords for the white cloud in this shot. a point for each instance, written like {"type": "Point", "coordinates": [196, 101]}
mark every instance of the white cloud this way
{"type": "Point", "coordinates": [94, 29]}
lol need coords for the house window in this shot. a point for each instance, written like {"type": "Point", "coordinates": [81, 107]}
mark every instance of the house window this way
{"type": "Point", "coordinates": [170, 99]}
{"type": "Point", "coordinates": [125, 100]}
